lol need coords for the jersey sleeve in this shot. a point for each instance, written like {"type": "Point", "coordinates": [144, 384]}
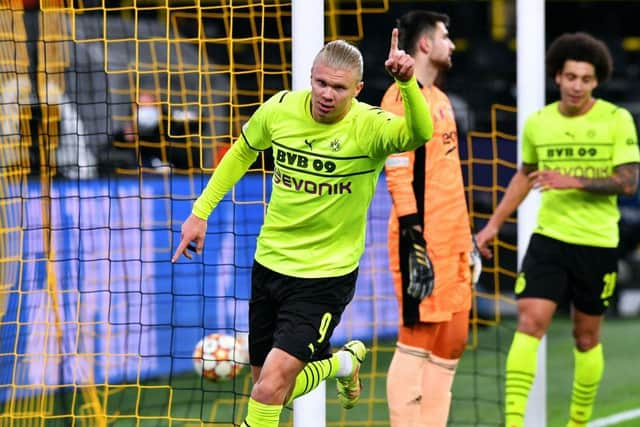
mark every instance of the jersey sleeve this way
{"type": "Point", "coordinates": [233, 166]}
{"type": "Point", "coordinates": [399, 166]}
{"type": "Point", "coordinates": [625, 138]}
{"type": "Point", "coordinates": [399, 172]}
{"type": "Point", "coordinates": [529, 153]}
{"type": "Point", "coordinates": [393, 134]}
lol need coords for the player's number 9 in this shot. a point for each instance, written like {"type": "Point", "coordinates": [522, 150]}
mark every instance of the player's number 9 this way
{"type": "Point", "coordinates": [324, 326]}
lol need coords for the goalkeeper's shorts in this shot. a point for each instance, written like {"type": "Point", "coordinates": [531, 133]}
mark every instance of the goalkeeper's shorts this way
{"type": "Point", "coordinates": [561, 272]}
{"type": "Point", "coordinates": [295, 315]}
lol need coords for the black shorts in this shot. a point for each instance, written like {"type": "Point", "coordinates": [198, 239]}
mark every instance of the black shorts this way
{"type": "Point", "coordinates": [295, 315]}
{"type": "Point", "coordinates": [559, 271]}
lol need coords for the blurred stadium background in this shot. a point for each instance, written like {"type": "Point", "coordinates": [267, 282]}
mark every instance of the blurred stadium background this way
{"type": "Point", "coordinates": [97, 326]}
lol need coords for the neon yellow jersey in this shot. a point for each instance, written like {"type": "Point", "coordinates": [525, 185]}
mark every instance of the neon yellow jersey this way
{"type": "Point", "coordinates": [590, 145]}
{"type": "Point", "coordinates": [324, 179]}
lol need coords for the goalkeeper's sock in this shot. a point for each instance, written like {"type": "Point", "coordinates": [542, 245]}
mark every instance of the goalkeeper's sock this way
{"type": "Point", "coordinates": [404, 382]}
{"type": "Point", "coordinates": [521, 370]}
{"type": "Point", "coordinates": [437, 379]}
{"type": "Point", "coordinates": [588, 369]}
{"type": "Point", "coordinates": [315, 372]}
{"type": "Point", "coordinates": [262, 415]}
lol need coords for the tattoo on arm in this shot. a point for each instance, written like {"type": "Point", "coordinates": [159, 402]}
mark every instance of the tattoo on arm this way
{"type": "Point", "coordinates": [623, 181]}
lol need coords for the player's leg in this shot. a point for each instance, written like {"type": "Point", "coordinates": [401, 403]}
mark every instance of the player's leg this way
{"type": "Point", "coordinates": [593, 283]}
{"type": "Point", "coordinates": [262, 323]}
{"type": "Point", "coordinates": [344, 365]}
{"type": "Point", "coordinates": [440, 367]}
{"type": "Point", "coordinates": [404, 380]}
{"type": "Point", "coordinates": [278, 373]}
{"type": "Point", "coordinates": [270, 390]}
{"type": "Point", "coordinates": [540, 285]}
{"type": "Point", "coordinates": [405, 370]}
{"type": "Point", "coordinates": [418, 386]}
{"type": "Point", "coordinates": [521, 366]}
{"type": "Point", "coordinates": [282, 342]}
{"type": "Point", "coordinates": [319, 304]}
{"type": "Point", "coordinates": [316, 372]}
{"type": "Point", "coordinates": [588, 367]}
{"type": "Point", "coordinates": [449, 340]}
{"type": "Point", "coordinates": [534, 318]}
{"type": "Point", "coordinates": [312, 310]}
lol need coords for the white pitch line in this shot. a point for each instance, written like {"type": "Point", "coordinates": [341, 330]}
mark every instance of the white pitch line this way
{"type": "Point", "coordinates": [616, 418]}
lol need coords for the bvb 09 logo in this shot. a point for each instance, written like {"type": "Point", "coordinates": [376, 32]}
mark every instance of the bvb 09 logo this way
{"type": "Point", "coordinates": [304, 162]}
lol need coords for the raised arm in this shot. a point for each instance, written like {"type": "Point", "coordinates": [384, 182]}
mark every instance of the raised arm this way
{"type": "Point", "coordinates": [417, 115]}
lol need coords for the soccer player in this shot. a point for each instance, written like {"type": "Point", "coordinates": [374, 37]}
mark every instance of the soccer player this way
{"type": "Point", "coordinates": [581, 152]}
{"type": "Point", "coordinates": [329, 150]}
{"type": "Point", "coordinates": [429, 205]}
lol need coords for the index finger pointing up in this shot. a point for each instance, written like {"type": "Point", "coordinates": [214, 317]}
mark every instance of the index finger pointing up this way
{"type": "Point", "coordinates": [394, 40]}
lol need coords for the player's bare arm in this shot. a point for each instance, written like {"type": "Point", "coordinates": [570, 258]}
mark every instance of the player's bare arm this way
{"type": "Point", "coordinates": [399, 64]}
{"type": "Point", "coordinates": [193, 230]}
{"type": "Point", "coordinates": [624, 181]}
{"type": "Point", "coordinates": [517, 190]}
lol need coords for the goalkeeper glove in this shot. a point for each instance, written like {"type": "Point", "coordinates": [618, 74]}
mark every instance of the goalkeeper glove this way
{"type": "Point", "coordinates": [421, 276]}
{"type": "Point", "coordinates": [475, 261]}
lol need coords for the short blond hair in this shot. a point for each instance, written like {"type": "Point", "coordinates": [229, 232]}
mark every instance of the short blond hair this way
{"type": "Point", "coordinates": [342, 55]}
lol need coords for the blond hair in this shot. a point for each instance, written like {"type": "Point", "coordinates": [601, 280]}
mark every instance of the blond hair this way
{"type": "Point", "coordinates": [341, 55]}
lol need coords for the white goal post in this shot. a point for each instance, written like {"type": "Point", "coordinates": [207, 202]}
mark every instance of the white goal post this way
{"type": "Point", "coordinates": [530, 27]}
{"type": "Point", "coordinates": [307, 38]}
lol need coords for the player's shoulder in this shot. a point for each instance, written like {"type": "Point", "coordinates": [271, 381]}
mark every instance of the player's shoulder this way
{"type": "Point", "coordinates": [607, 106]}
{"type": "Point", "coordinates": [611, 110]}
{"type": "Point", "coordinates": [365, 118]}
{"type": "Point", "coordinates": [439, 92]}
{"type": "Point", "coordinates": [552, 109]}
{"type": "Point", "coordinates": [361, 108]}
{"type": "Point", "coordinates": [544, 114]}
{"type": "Point", "coordinates": [437, 96]}
{"type": "Point", "coordinates": [287, 97]}
{"type": "Point", "coordinates": [285, 105]}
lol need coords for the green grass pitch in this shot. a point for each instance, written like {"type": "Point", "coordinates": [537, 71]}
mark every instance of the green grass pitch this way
{"type": "Point", "coordinates": [185, 399]}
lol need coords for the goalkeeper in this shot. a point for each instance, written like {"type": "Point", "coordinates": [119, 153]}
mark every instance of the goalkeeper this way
{"type": "Point", "coordinates": [329, 150]}
{"type": "Point", "coordinates": [581, 152]}
{"type": "Point", "coordinates": [429, 205]}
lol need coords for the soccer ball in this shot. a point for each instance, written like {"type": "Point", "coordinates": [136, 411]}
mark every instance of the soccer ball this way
{"type": "Point", "coordinates": [220, 357]}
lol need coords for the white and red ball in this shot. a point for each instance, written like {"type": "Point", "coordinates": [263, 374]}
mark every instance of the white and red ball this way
{"type": "Point", "coordinates": [220, 357]}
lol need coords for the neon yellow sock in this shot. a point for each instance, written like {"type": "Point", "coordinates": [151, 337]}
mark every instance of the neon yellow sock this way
{"type": "Point", "coordinates": [313, 374]}
{"type": "Point", "coordinates": [522, 362]}
{"type": "Point", "coordinates": [588, 369]}
{"type": "Point", "coordinates": [262, 415]}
